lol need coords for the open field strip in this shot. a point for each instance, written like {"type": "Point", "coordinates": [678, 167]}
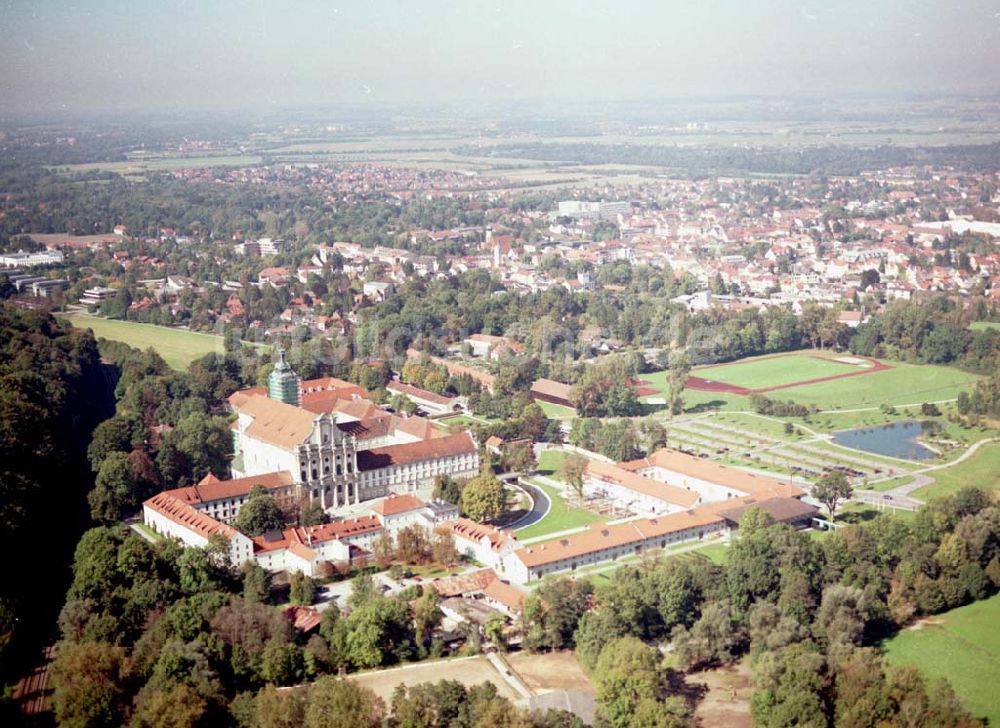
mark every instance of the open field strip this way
{"type": "Point", "coordinates": [962, 645]}
{"type": "Point", "coordinates": [981, 469]}
{"type": "Point", "coordinates": [178, 347]}
{"type": "Point", "coordinates": [760, 425]}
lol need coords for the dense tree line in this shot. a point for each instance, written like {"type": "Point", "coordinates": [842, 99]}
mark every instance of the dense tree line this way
{"type": "Point", "coordinates": [53, 391]}
{"type": "Point", "coordinates": [933, 330]}
{"type": "Point", "coordinates": [169, 428]}
{"type": "Point", "coordinates": [809, 614]}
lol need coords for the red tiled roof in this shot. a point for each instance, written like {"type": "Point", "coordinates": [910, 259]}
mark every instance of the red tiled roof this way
{"type": "Point", "coordinates": [212, 490]}
{"type": "Point", "coordinates": [395, 504]}
{"type": "Point", "coordinates": [604, 536]}
{"type": "Point", "coordinates": [504, 593]}
{"type": "Point", "coordinates": [552, 388]}
{"type": "Point", "coordinates": [440, 447]}
{"type": "Point", "coordinates": [181, 513]}
{"type": "Point", "coordinates": [307, 535]}
{"type": "Point", "coordinates": [416, 392]}
{"type": "Point", "coordinates": [472, 531]}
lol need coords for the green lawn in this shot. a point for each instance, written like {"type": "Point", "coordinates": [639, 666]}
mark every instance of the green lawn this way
{"type": "Point", "coordinates": [557, 412]}
{"type": "Point", "coordinates": [984, 325]}
{"type": "Point", "coordinates": [716, 552]}
{"type": "Point", "coordinates": [551, 462]}
{"type": "Point", "coordinates": [982, 470]}
{"type": "Point", "coordinates": [561, 516]}
{"type": "Point", "coordinates": [178, 347]}
{"type": "Point", "coordinates": [962, 645]}
{"type": "Point", "coordinates": [855, 512]}
{"type": "Point", "coordinates": [902, 384]}
{"type": "Point", "coordinates": [460, 421]}
{"type": "Point", "coordinates": [774, 371]}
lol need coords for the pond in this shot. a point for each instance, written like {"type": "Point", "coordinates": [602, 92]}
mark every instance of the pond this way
{"type": "Point", "coordinates": [896, 440]}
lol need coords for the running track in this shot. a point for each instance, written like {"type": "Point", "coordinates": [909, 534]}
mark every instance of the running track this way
{"type": "Point", "coordinates": [708, 385]}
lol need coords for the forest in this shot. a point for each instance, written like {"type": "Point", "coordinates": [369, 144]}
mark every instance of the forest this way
{"type": "Point", "coordinates": [53, 392]}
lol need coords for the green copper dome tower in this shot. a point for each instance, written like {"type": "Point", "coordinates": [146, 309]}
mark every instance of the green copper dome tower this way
{"type": "Point", "coordinates": [282, 384]}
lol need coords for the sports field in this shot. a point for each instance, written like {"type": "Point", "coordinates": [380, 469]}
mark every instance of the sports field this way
{"type": "Point", "coordinates": [897, 385]}
{"type": "Point", "coordinates": [762, 373]}
{"type": "Point", "coordinates": [787, 377]}
{"type": "Point", "coordinates": [178, 347]}
{"type": "Point", "coordinates": [962, 645]}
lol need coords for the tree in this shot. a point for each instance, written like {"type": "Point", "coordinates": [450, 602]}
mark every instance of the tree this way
{"type": "Point", "coordinates": [483, 498]}
{"type": "Point", "coordinates": [303, 588]}
{"type": "Point", "coordinates": [447, 490]}
{"type": "Point", "coordinates": [112, 435]}
{"type": "Point", "coordinates": [413, 545]}
{"type": "Point", "coordinates": [427, 617]}
{"type": "Point", "coordinates": [176, 706]}
{"type": "Point", "coordinates": [519, 457]}
{"type": "Point", "coordinates": [256, 583]}
{"type": "Point", "coordinates": [832, 490]}
{"type": "Point", "coordinates": [281, 663]}
{"type": "Point", "coordinates": [572, 471]}
{"type": "Point", "coordinates": [383, 549]}
{"type": "Point", "coordinates": [680, 369]}
{"type": "Point", "coordinates": [627, 674]}
{"type": "Point", "coordinates": [312, 514]}
{"type": "Point", "coordinates": [119, 488]}
{"type": "Point", "coordinates": [259, 514]}
{"type": "Point", "coordinates": [443, 549]}
{"type": "Point", "coordinates": [88, 684]}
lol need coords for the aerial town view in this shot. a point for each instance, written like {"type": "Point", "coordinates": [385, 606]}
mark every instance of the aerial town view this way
{"type": "Point", "coordinates": [500, 365]}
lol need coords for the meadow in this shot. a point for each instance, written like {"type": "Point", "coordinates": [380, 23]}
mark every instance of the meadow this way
{"type": "Point", "coordinates": [178, 347]}
{"type": "Point", "coordinates": [982, 470]}
{"type": "Point", "coordinates": [962, 645]}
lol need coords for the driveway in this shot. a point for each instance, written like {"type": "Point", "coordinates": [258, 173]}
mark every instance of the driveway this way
{"type": "Point", "coordinates": [539, 506]}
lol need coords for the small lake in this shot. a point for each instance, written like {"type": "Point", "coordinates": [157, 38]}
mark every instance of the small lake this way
{"type": "Point", "coordinates": [896, 440]}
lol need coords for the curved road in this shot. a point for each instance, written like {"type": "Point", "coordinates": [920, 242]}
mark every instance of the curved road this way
{"type": "Point", "coordinates": [539, 507]}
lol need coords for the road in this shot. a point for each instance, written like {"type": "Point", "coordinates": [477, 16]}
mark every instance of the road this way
{"type": "Point", "coordinates": [540, 505]}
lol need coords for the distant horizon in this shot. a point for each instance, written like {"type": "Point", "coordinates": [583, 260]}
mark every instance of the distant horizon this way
{"type": "Point", "coordinates": [512, 108]}
{"type": "Point", "coordinates": [61, 57]}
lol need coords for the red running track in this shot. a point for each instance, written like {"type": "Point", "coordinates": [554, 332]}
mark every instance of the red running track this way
{"type": "Point", "coordinates": [708, 385]}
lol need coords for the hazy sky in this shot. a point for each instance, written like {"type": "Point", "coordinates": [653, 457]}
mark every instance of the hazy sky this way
{"type": "Point", "coordinates": [63, 55]}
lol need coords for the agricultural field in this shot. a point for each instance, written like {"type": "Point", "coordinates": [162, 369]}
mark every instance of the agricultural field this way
{"type": "Point", "coordinates": [982, 469]}
{"type": "Point", "coordinates": [178, 347]}
{"type": "Point", "coordinates": [776, 371]}
{"type": "Point", "coordinates": [164, 164]}
{"type": "Point", "coordinates": [962, 645]}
